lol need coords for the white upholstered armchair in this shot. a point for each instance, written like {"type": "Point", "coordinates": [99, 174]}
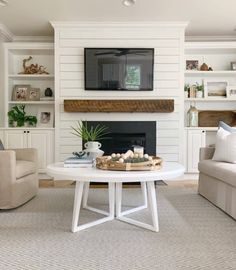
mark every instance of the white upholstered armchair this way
{"type": "Point", "coordinates": [18, 177]}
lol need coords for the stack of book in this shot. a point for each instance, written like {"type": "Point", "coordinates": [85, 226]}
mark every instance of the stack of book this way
{"type": "Point", "coordinates": [74, 162]}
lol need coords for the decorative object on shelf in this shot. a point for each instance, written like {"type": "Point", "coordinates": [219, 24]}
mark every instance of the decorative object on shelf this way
{"type": "Point", "coordinates": [210, 69]}
{"type": "Point", "coordinates": [31, 120]}
{"type": "Point", "coordinates": [48, 92]}
{"type": "Point", "coordinates": [34, 94]}
{"type": "Point", "coordinates": [191, 64]}
{"type": "Point", "coordinates": [17, 117]}
{"type": "Point", "coordinates": [20, 92]}
{"type": "Point", "coordinates": [233, 65]}
{"type": "Point", "coordinates": [186, 90]}
{"type": "Point", "coordinates": [204, 67]}
{"type": "Point", "coordinates": [91, 136]}
{"type": "Point", "coordinates": [32, 68]}
{"type": "Point", "coordinates": [215, 89]}
{"type": "Point", "coordinates": [192, 116]}
{"type": "Point", "coordinates": [200, 90]}
{"type": "Point", "coordinates": [138, 150]}
{"type": "Point", "coordinates": [231, 92]}
{"type": "Point", "coordinates": [45, 117]}
{"type": "Point", "coordinates": [211, 118]}
{"type": "Point", "coordinates": [129, 161]}
{"type": "Point", "coordinates": [192, 91]}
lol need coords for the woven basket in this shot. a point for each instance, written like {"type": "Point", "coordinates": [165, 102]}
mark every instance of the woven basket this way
{"type": "Point", "coordinates": [104, 163]}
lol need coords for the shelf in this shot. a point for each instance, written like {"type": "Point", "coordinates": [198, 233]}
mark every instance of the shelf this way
{"type": "Point", "coordinates": [210, 73]}
{"type": "Point", "coordinates": [32, 102]}
{"type": "Point", "coordinates": [202, 128]}
{"type": "Point", "coordinates": [28, 128]}
{"type": "Point", "coordinates": [210, 99]}
{"type": "Point", "coordinates": [31, 77]}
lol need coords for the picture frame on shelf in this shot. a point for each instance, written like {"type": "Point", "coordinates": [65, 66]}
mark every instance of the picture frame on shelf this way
{"type": "Point", "coordinates": [34, 94]}
{"type": "Point", "coordinates": [45, 117]}
{"type": "Point", "coordinates": [233, 65]}
{"type": "Point", "coordinates": [192, 64]}
{"type": "Point", "coordinates": [215, 88]}
{"type": "Point", "coordinates": [231, 92]}
{"type": "Point", "coordinates": [20, 92]}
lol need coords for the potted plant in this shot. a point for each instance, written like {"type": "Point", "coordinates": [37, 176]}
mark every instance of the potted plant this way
{"type": "Point", "coordinates": [200, 89]}
{"type": "Point", "coordinates": [186, 90]}
{"type": "Point", "coordinates": [17, 115]}
{"type": "Point", "coordinates": [91, 136]}
{"type": "Point", "coordinates": [31, 120]}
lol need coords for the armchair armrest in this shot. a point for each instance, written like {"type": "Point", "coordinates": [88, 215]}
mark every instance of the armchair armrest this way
{"type": "Point", "coordinates": [206, 153]}
{"type": "Point", "coordinates": [27, 154]}
{"type": "Point", "coordinates": [7, 168]}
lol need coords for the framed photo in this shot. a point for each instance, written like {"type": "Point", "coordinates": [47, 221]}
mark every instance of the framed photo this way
{"type": "Point", "coordinates": [45, 117]}
{"type": "Point", "coordinates": [215, 89]}
{"type": "Point", "coordinates": [20, 92]}
{"type": "Point", "coordinates": [231, 92]}
{"type": "Point", "coordinates": [192, 65]}
{"type": "Point", "coordinates": [233, 65]}
{"type": "Point", "coordinates": [34, 94]}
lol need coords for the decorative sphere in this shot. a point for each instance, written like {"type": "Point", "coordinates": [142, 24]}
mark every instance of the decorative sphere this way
{"type": "Point", "coordinates": [118, 155]}
{"type": "Point", "coordinates": [113, 155]}
{"type": "Point", "coordinates": [150, 158]}
{"type": "Point", "coordinates": [146, 156]}
{"type": "Point", "coordinates": [121, 160]}
{"type": "Point", "coordinates": [109, 157]}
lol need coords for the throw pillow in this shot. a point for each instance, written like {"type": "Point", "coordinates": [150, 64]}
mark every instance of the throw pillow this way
{"type": "Point", "coordinates": [225, 146]}
{"type": "Point", "coordinates": [226, 127]}
{"type": "Point", "coordinates": [1, 145]}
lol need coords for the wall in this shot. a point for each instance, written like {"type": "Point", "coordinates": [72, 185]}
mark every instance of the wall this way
{"type": "Point", "coordinates": [168, 41]}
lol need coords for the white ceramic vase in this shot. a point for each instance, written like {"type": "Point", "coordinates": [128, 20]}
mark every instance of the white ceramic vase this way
{"type": "Point", "coordinates": [92, 149]}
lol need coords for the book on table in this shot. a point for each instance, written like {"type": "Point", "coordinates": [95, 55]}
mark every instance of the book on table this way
{"type": "Point", "coordinates": [74, 162]}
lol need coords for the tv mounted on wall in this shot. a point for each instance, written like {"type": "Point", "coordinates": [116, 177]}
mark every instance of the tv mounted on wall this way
{"type": "Point", "coordinates": [119, 69]}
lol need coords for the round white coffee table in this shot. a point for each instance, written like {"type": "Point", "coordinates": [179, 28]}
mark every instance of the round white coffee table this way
{"type": "Point", "coordinates": [83, 177]}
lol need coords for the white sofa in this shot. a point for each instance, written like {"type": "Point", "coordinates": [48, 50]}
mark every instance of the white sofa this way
{"type": "Point", "coordinates": [217, 181]}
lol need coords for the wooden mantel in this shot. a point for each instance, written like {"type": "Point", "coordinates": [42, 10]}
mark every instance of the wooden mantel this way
{"type": "Point", "coordinates": [147, 105]}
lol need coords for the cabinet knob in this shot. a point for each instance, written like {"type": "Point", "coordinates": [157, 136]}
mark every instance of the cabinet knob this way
{"type": "Point", "coordinates": [24, 131]}
{"type": "Point", "coordinates": [28, 132]}
{"type": "Point", "coordinates": [203, 131]}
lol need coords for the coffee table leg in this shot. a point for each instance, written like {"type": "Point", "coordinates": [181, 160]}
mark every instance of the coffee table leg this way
{"type": "Point", "coordinates": [153, 204]}
{"type": "Point", "coordinates": [151, 192]}
{"type": "Point", "coordinates": [144, 192]}
{"type": "Point", "coordinates": [85, 194]}
{"type": "Point", "coordinates": [77, 203]}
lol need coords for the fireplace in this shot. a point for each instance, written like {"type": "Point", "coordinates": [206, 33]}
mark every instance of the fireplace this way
{"type": "Point", "coordinates": [123, 135]}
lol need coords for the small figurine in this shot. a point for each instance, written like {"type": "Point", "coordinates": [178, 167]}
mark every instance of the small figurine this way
{"type": "Point", "coordinates": [210, 69]}
{"type": "Point", "coordinates": [33, 68]}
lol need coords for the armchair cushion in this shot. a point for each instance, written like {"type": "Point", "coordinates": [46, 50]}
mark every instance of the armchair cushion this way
{"type": "Point", "coordinates": [24, 168]}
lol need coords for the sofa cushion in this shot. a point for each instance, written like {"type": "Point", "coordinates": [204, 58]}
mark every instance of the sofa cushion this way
{"type": "Point", "coordinates": [225, 146]}
{"type": "Point", "coordinates": [24, 168]}
{"type": "Point", "coordinates": [223, 171]}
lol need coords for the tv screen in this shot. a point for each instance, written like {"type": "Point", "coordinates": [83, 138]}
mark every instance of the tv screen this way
{"type": "Point", "coordinates": [119, 69]}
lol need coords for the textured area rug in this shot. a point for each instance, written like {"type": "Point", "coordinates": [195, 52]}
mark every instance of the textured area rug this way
{"type": "Point", "coordinates": [193, 234]}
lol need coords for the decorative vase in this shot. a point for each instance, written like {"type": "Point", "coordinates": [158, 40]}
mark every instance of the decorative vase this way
{"type": "Point", "coordinates": [14, 124]}
{"type": "Point", "coordinates": [186, 94]}
{"type": "Point", "coordinates": [192, 116]}
{"type": "Point", "coordinates": [204, 67]}
{"type": "Point", "coordinates": [92, 149]}
{"type": "Point", "coordinates": [199, 94]}
{"type": "Point", "coordinates": [48, 92]}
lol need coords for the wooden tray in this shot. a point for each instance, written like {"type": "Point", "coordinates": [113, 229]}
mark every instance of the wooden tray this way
{"type": "Point", "coordinates": [212, 118]}
{"type": "Point", "coordinates": [105, 164]}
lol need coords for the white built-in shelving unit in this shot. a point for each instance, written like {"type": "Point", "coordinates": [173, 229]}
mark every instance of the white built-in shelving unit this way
{"type": "Point", "coordinates": [40, 137]}
{"type": "Point", "coordinates": [219, 56]}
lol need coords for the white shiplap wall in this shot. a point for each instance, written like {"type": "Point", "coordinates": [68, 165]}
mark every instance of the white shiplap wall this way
{"type": "Point", "coordinates": [168, 41]}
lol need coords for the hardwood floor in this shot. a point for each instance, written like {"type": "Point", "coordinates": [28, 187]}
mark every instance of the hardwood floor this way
{"type": "Point", "coordinates": [48, 183]}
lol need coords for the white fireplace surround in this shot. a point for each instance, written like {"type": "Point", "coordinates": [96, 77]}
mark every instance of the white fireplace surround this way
{"type": "Point", "coordinates": [168, 41]}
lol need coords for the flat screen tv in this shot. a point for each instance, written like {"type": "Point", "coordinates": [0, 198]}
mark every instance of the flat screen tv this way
{"type": "Point", "coordinates": [119, 69]}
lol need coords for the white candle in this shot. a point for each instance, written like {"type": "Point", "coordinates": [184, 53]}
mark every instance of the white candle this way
{"type": "Point", "coordinates": [138, 150]}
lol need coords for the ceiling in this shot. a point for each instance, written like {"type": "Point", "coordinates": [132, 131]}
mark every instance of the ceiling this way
{"type": "Point", "coordinates": [206, 17]}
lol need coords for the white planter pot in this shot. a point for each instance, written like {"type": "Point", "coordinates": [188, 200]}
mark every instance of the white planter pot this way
{"type": "Point", "coordinates": [92, 149]}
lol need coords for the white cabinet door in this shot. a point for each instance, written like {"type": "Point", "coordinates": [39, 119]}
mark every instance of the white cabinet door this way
{"type": "Point", "coordinates": [196, 139]}
{"type": "Point", "coordinates": [42, 140]}
{"type": "Point", "coordinates": [14, 139]}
